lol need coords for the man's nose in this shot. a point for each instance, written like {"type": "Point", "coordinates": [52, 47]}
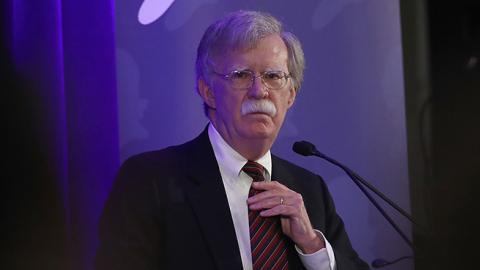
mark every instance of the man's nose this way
{"type": "Point", "coordinates": [258, 89]}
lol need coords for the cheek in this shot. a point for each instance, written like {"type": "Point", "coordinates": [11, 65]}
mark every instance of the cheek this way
{"type": "Point", "coordinates": [283, 104]}
{"type": "Point", "coordinates": [282, 107]}
{"type": "Point", "coordinates": [230, 105]}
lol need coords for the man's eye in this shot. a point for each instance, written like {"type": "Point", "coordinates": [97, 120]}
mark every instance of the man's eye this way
{"type": "Point", "coordinates": [273, 75]}
{"type": "Point", "coordinates": [240, 75]}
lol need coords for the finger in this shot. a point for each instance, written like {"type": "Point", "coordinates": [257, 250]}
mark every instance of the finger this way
{"type": "Point", "coordinates": [281, 196]}
{"type": "Point", "coordinates": [292, 205]}
{"type": "Point", "coordinates": [268, 185]}
{"type": "Point", "coordinates": [266, 195]}
{"type": "Point", "coordinates": [268, 202]}
{"type": "Point", "coordinates": [286, 211]}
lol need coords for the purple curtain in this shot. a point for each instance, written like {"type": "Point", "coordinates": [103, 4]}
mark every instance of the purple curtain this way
{"type": "Point", "coordinates": [60, 108]}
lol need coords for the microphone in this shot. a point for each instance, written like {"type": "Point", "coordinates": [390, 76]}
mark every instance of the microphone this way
{"type": "Point", "coordinates": [308, 149]}
{"type": "Point", "coordinates": [305, 148]}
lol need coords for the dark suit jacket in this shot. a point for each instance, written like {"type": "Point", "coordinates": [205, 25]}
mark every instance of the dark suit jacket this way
{"type": "Point", "coordinates": [168, 210]}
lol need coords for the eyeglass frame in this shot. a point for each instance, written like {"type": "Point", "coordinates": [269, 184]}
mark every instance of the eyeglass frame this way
{"type": "Point", "coordinates": [228, 76]}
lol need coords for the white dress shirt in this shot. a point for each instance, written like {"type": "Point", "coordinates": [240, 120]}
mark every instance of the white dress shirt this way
{"type": "Point", "coordinates": [237, 184]}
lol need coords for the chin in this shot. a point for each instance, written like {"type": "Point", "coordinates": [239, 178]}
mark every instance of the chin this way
{"type": "Point", "coordinates": [259, 127]}
{"type": "Point", "coordinates": [260, 132]}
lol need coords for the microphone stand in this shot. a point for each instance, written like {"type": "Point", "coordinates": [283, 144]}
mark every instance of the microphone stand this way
{"type": "Point", "coordinates": [359, 181]}
{"type": "Point", "coordinates": [307, 149]}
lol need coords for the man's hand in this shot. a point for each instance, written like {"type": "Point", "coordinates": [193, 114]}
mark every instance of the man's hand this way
{"type": "Point", "coordinates": [278, 200]}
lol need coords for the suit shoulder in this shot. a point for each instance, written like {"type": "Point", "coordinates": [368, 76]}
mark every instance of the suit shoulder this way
{"type": "Point", "coordinates": [293, 168]}
{"type": "Point", "coordinates": [167, 155]}
{"type": "Point", "coordinates": [156, 161]}
{"type": "Point", "coordinates": [171, 155]}
{"type": "Point", "coordinates": [153, 155]}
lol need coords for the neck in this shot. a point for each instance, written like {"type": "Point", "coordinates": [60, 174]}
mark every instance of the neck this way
{"type": "Point", "coordinates": [250, 149]}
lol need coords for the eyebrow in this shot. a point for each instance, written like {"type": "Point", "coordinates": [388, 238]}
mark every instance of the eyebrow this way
{"type": "Point", "coordinates": [249, 69]}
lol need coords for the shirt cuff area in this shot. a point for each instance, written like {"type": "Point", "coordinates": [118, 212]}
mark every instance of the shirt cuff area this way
{"type": "Point", "coordinates": [323, 259]}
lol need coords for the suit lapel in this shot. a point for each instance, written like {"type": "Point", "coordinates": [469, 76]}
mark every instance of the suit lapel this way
{"type": "Point", "coordinates": [206, 194]}
{"type": "Point", "coordinates": [281, 174]}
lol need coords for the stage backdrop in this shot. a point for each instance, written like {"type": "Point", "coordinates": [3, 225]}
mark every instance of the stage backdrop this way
{"type": "Point", "coordinates": [351, 104]}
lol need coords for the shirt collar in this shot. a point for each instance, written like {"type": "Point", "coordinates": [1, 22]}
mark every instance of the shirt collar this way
{"type": "Point", "coordinates": [230, 159]}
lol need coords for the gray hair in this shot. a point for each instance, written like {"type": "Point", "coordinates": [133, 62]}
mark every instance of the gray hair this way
{"type": "Point", "coordinates": [242, 30]}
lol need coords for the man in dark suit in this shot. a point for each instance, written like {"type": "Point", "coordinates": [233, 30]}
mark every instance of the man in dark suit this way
{"type": "Point", "coordinates": [222, 200]}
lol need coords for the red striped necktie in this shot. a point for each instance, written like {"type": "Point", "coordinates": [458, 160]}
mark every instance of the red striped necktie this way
{"type": "Point", "coordinates": [267, 241]}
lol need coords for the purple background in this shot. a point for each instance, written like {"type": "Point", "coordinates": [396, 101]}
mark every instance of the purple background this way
{"type": "Point", "coordinates": [86, 85]}
{"type": "Point", "coordinates": [351, 104]}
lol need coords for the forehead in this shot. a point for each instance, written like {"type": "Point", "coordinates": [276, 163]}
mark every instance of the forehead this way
{"type": "Point", "coordinates": [269, 52]}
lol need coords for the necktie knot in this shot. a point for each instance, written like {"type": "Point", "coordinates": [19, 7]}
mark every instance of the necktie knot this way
{"type": "Point", "coordinates": [254, 170]}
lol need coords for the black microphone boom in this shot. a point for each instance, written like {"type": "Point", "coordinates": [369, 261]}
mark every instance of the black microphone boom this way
{"type": "Point", "coordinates": [308, 149]}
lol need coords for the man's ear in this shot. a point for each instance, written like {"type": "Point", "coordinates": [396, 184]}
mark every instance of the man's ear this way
{"type": "Point", "coordinates": [206, 93]}
{"type": "Point", "coordinates": [292, 95]}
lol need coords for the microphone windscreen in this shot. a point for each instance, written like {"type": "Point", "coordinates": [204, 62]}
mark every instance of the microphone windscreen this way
{"type": "Point", "coordinates": [304, 148]}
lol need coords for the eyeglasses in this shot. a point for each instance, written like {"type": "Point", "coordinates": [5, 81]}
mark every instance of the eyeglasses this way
{"type": "Point", "coordinates": [243, 79]}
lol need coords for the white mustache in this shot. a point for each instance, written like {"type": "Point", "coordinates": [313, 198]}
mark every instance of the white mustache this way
{"type": "Point", "coordinates": [258, 106]}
